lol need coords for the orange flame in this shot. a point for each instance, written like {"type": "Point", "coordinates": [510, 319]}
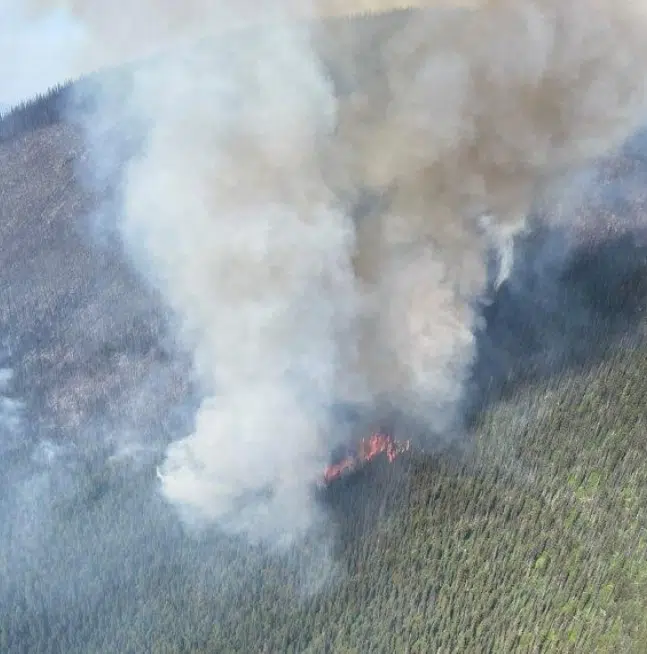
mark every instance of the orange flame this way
{"type": "Point", "coordinates": [376, 444]}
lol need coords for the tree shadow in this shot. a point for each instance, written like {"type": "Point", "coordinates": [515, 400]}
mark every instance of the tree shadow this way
{"type": "Point", "coordinates": [559, 313]}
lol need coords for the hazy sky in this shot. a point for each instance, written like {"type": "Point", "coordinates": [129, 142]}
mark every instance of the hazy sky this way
{"type": "Point", "coordinates": [35, 53]}
{"type": "Point", "coordinates": [40, 50]}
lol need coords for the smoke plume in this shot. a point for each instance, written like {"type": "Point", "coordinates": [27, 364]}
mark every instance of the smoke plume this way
{"type": "Point", "coordinates": [316, 204]}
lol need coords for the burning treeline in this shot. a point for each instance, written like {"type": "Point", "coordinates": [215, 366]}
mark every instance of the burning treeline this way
{"type": "Point", "coordinates": [368, 449]}
{"type": "Point", "coordinates": [316, 201]}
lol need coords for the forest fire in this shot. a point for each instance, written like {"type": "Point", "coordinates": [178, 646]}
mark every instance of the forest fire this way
{"type": "Point", "coordinates": [368, 448]}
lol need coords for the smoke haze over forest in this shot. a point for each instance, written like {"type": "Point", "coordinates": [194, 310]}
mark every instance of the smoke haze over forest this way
{"type": "Point", "coordinates": [241, 209]}
{"type": "Point", "coordinates": [236, 253]}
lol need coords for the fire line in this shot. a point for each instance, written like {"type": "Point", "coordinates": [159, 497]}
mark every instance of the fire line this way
{"type": "Point", "coordinates": [369, 448]}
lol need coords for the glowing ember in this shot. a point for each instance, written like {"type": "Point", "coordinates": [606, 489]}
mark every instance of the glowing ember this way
{"type": "Point", "coordinates": [368, 449]}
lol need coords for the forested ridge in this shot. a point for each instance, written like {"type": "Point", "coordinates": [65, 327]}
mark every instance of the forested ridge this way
{"type": "Point", "coordinates": [528, 535]}
{"type": "Point", "coordinates": [49, 108]}
{"type": "Point", "coordinates": [534, 540]}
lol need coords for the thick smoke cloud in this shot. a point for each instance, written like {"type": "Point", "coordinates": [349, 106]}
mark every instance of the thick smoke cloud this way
{"type": "Point", "coordinates": [243, 209]}
{"type": "Point", "coordinates": [254, 257]}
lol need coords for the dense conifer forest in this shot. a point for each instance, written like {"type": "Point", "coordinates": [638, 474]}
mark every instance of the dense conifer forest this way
{"type": "Point", "coordinates": [533, 540]}
{"type": "Point", "coordinates": [527, 535]}
{"type": "Point", "coordinates": [46, 109]}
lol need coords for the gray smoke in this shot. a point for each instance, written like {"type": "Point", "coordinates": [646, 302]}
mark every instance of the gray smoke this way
{"type": "Point", "coordinates": [242, 208]}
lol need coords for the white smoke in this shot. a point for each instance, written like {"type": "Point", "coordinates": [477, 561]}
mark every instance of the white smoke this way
{"type": "Point", "coordinates": [239, 209]}
{"type": "Point", "coordinates": [11, 411]}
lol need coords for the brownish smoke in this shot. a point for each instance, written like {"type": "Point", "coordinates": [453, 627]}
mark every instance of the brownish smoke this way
{"type": "Point", "coordinates": [241, 210]}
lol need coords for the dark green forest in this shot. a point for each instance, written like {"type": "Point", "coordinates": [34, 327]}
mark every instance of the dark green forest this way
{"type": "Point", "coordinates": [532, 539]}
{"type": "Point", "coordinates": [528, 534]}
{"type": "Point", "coordinates": [46, 109]}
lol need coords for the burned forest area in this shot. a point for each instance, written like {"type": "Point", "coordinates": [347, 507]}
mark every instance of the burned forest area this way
{"type": "Point", "coordinates": [526, 534]}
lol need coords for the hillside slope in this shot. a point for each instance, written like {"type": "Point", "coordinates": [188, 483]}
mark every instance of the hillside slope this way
{"type": "Point", "coordinates": [69, 308]}
{"type": "Point", "coordinates": [530, 536]}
